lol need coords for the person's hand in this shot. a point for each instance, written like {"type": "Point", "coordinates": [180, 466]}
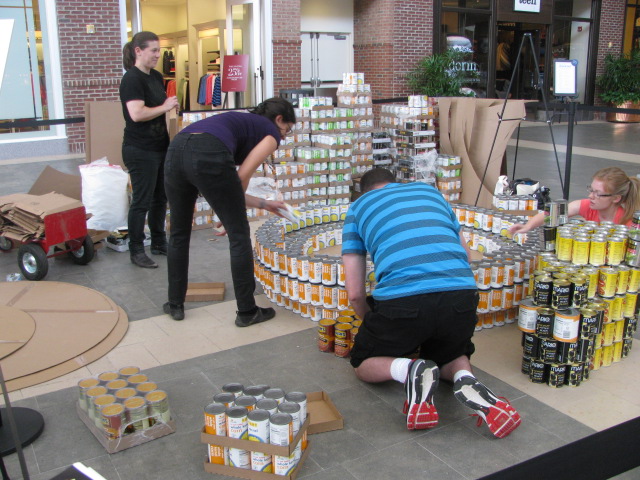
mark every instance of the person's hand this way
{"type": "Point", "coordinates": [273, 206]}
{"type": "Point", "coordinates": [518, 228]}
{"type": "Point", "coordinates": [171, 103]}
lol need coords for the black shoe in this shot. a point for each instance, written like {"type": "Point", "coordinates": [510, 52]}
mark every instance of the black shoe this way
{"type": "Point", "coordinates": [176, 311]}
{"type": "Point", "coordinates": [159, 249]}
{"type": "Point", "coordinates": [140, 259]}
{"type": "Point", "coordinates": [261, 315]}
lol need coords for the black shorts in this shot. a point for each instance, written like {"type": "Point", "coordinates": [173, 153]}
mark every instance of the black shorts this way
{"type": "Point", "coordinates": [440, 324]}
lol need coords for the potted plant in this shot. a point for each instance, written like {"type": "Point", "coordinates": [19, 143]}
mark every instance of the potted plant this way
{"type": "Point", "coordinates": [439, 75]}
{"type": "Point", "coordinates": [620, 85]}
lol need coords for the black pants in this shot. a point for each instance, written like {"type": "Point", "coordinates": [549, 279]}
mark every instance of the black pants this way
{"type": "Point", "coordinates": [201, 163]}
{"type": "Point", "coordinates": [146, 169]}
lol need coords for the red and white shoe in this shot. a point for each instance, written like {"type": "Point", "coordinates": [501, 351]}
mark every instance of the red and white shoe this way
{"type": "Point", "coordinates": [420, 386]}
{"type": "Point", "coordinates": [497, 412]}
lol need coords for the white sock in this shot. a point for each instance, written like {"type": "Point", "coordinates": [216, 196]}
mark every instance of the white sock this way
{"type": "Point", "coordinates": [462, 373]}
{"type": "Point", "coordinates": [400, 369]}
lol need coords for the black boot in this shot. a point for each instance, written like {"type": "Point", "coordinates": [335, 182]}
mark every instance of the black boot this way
{"type": "Point", "coordinates": [159, 249]}
{"type": "Point", "coordinates": [140, 259]}
{"type": "Point", "coordinates": [175, 311]}
{"type": "Point", "coordinates": [260, 315]}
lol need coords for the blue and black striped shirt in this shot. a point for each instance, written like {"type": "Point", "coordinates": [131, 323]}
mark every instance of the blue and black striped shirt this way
{"type": "Point", "coordinates": [413, 238]}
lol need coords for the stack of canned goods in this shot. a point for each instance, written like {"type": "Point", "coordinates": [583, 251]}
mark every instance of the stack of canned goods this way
{"type": "Point", "coordinates": [293, 275]}
{"type": "Point", "coordinates": [515, 202]}
{"type": "Point", "coordinates": [123, 402]}
{"type": "Point", "coordinates": [337, 335]}
{"type": "Point", "coordinates": [261, 414]}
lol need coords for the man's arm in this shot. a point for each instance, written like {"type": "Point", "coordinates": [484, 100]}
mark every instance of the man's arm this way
{"type": "Point", "coordinates": [355, 275]}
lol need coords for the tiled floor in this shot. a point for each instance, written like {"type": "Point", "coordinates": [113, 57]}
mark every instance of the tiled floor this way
{"type": "Point", "coordinates": [192, 359]}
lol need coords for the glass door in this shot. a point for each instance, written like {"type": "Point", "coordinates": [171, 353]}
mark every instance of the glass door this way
{"type": "Point", "coordinates": [243, 38]}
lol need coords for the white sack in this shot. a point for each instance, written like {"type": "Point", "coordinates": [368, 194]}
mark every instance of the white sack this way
{"type": "Point", "coordinates": [104, 194]}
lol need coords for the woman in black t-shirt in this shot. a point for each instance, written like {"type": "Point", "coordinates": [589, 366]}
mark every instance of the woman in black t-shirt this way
{"type": "Point", "coordinates": [145, 142]}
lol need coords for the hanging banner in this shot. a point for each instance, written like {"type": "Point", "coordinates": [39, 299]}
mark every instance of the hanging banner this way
{"type": "Point", "coordinates": [235, 70]}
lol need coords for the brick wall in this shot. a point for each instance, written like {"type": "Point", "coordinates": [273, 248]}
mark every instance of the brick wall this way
{"type": "Point", "coordinates": [610, 39]}
{"type": "Point", "coordinates": [91, 64]}
{"type": "Point", "coordinates": [286, 44]}
{"type": "Point", "coordinates": [389, 38]}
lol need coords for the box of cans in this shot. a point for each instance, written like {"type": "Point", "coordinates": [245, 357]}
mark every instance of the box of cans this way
{"type": "Point", "coordinates": [124, 408]}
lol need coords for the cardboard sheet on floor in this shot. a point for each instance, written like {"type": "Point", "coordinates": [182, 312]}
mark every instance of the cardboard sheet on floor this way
{"type": "Point", "coordinates": [91, 355]}
{"type": "Point", "coordinates": [52, 180]}
{"type": "Point", "coordinates": [16, 328]}
{"type": "Point", "coordinates": [70, 320]}
{"type": "Point", "coordinates": [467, 128]}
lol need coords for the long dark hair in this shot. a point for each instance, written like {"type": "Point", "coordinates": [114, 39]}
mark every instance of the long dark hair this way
{"type": "Point", "coordinates": [141, 40]}
{"type": "Point", "coordinates": [272, 107]}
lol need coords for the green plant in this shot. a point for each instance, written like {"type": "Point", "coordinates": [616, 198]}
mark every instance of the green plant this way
{"type": "Point", "coordinates": [442, 74]}
{"type": "Point", "coordinates": [620, 81]}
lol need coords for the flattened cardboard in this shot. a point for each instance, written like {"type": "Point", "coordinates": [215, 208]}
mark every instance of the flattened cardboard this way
{"type": "Point", "coordinates": [52, 180]}
{"type": "Point", "coordinates": [127, 441]}
{"type": "Point", "coordinates": [104, 129]}
{"type": "Point", "coordinates": [16, 329]}
{"type": "Point", "coordinates": [205, 292]}
{"type": "Point", "coordinates": [255, 475]}
{"type": "Point", "coordinates": [70, 320]}
{"type": "Point", "coordinates": [323, 414]}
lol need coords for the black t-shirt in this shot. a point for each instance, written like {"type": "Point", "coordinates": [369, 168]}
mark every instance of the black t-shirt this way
{"type": "Point", "coordinates": [137, 85]}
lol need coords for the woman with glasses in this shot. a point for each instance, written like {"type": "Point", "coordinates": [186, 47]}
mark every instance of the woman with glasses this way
{"type": "Point", "coordinates": [612, 196]}
{"type": "Point", "coordinates": [203, 158]}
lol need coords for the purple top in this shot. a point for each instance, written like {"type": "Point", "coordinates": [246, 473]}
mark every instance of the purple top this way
{"type": "Point", "coordinates": [240, 132]}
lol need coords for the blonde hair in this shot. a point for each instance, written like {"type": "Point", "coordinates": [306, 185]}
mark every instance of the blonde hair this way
{"type": "Point", "coordinates": [618, 183]}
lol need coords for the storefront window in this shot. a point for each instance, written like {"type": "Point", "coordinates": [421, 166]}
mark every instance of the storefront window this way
{"type": "Point", "coordinates": [572, 8]}
{"type": "Point", "coordinates": [485, 4]}
{"type": "Point", "coordinates": [25, 67]}
{"type": "Point", "coordinates": [571, 42]}
{"type": "Point", "coordinates": [632, 27]}
{"type": "Point", "coordinates": [469, 32]}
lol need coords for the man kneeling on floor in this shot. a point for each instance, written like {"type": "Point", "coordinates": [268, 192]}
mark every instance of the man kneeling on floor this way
{"type": "Point", "coordinates": [425, 298]}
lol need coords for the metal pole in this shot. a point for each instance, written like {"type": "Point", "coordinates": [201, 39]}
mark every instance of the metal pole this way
{"type": "Point", "coordinates": [567, 162]}
{"type": "Point", "coordinates": [14, 429]}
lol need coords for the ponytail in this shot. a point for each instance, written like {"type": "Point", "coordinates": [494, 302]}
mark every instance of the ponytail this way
{"type": "Point", "coordinates": [140, 40]}
{"type": "Point", "coordinates": [631, 201]}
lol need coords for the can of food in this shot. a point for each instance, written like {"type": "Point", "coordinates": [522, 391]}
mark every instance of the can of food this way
{"type": "Point", "coordinates": [215, 419]}
{"type": "Point", "coordinates": [484, 276]}
{"type": "Point", "coordinates": [280, 429]}
{"type": "Point", "coordinates": [508, 293]}
{"type": "Point", "coordinates": [137, 414]}
{"type": "Point", "coordinates": [561, 294]}
{"type": "Point", "coordinates": [137, 379]}
{"type": "Point", "coordinates": [607, 282]}
{"type": "Point", "coordinates": [598, 250]}
{"type": "Point", "coordinates": [575, 373]}
{"type": "Point", "coordinates": [146, 387]}
{"type": "Point", "coordinates": [276, 394]}
{"type": "Point", "coordinates": [593, 274]}
{"type": "Point", "coordinates": [580, 252]}
{"type": "Point", "coordinates": [343, 298]}
{"type": "Point", "coordinates": [158, 405]}
{"type": "Point", "coordinates": [113, 420]}
{"type": "Point", "coordinates": [326, 343]}
{"type": "Point", "coordinates": [566, 325]}
{"type": "Point", "coordinates": [564, 244]}
{"type": "Point", "coordinates": [544, 322]}
{"type": "Point", "coordinates": [124, 393]}
{"type": "Point", "coordinates": [607, 355]}
{"type": "Point", "coordinates": [235, 388]}
{"type": "Point", "coordinates": [246, 401]}
{"type": "Point", "coordinates": [624, 273]}
{"type": "Point", "coordinates": [226, 398]}
{"type": "Point", "coordinates": [634, 280]}
{"type": "Point", "coordinates": [315, 270]}
{"type": "Point", "coordinates": [531, 345]}
{"type": "Point", "coordinates": [526, 364]}
{"type": "Point", "coordinates": [293, 409]}
{"type": "Point", "coordinates": [608, 333]}
{"type": "Point", "coordinates": [618, 330]}
{"type": "Point", "coordinates": [342, 347]}
{"type": "Point", "coordinates": [91, 394]}
{"type": "Point", "coordinates": [483, 301]}
{"type": "Point", "coordinates": [329, 272]}
{"type": "Point", "coordinates": [549, 238]}
{"type": "Point", "coordinates": [548, 349]}
{"type": "Point", "coordinates": [495, 299]}
{"type": "Point", "coordinates": [258, 426]}
{"type": "Point", "coordinates": [615, 250]}
{"type": "Point", "coordinates": [218, 455]}
{"type": "Point", "coordinates": [613, 308]}
{"type": "Point", "coordinates": [579, 290]}
{"type": "Point", "coordinates": [98, 404]}
{"type": "Point", "coordinates": [497, 274]}
{"type": "Point", "coordinates": [126, 372]}
{"type": "Point", "coordinates": [268, 404]}
{"type": "Point", "coordinates": [329, 296]}
{"type": "Point", "coordinates": [106, 377]}
{"type": "Point", "coordinates": [301, 399]}
{"type": "Point", "coordinates": [588, 322]}
{"type": "Point", "coordinates": [542, 288]}
{"type": "Point", "coordinates": [630, 301]}
{"type": "Point", "coordinates": [632, 253]}
{"type": "Point", "coordinates": [539, 372]}
{"type": "Point", "coordinates": [509, 273]}
{"type": "Point", "coordinates": [626, 346]}
{"type": "Point", "coordinates": [527, 316]}
{"type": "Point", "coordinates": [316, 294]}
{"type": "Point", "coordinates": [557, 375]}
{"type": "Point", "coordinates": [518, 293]}
{"type": "Point", "coordinates": [326, 327]}
{"type": "Point", "coordinates": [487, 319]}
{"type": "Point", "coordinates": [567, 352]}
{"type": "Point", "coordinates": [85, 385]}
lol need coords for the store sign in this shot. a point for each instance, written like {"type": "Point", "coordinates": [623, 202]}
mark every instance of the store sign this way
{"type": "Point", "coordinates": [235, 70]}
{"type": "Point", "coordinates": [527, 6]}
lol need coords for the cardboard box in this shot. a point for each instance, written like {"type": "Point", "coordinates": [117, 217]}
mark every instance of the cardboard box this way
{"type": "Point", "coordinates": [323, 414]}
{"type": "Point", "coordinates": [205, 292]}
{"type": "Point", "coordinates": [126, 441]}
{"type": "Point", "coordinates": [255, 447]}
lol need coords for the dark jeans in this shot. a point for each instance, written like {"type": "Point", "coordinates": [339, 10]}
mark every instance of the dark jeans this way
{"type": "Point", "coordinates": [146, 169]}
{"type": "Point", "coordinates": [201, 163]}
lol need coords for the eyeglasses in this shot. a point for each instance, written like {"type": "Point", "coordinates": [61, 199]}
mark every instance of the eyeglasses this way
{"type": "Point", "coordinates": [597, 194]}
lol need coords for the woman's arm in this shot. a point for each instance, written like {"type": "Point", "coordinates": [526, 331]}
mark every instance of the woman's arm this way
{"type": "Point", "coordinates": [256, 156]}
{"type": "Point", "coordinates": [141, 113]}
{"type": "Point", "coordinates": [538, 220]}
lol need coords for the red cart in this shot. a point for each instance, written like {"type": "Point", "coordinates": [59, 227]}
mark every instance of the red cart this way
{"type": "Point", "coordinates": [64, 233]}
